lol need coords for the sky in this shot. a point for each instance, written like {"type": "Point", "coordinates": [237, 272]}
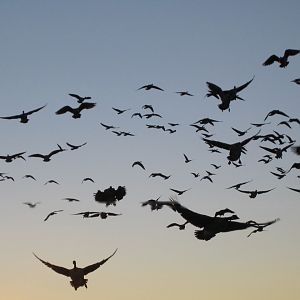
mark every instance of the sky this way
{"type": "Point", "coordinates": [108, 50]}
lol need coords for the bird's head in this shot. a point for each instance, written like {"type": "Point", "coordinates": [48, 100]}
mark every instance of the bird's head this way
{"type": "Point", "coordinates": [74, 263]}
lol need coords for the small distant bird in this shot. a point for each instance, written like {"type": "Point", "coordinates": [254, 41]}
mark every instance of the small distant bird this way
{"type": "Point", "coordinates": [207, 177]}
{"type": "Point", "coordinates": [184, 93]}
{"type": "Point", "coordinates": [239, 132]}
{"type": "Point", "coordinates": [79, 98]}
{"type": "Point", "coordinates": [107, 127]}
{"type": "Point", "coordinates": [160, 175]}
{"type": "Point", "coordinates": [31, 204]}
{"type": "Point", "coordinates": [199, 128]}
{"type": "Point", "coordinates": [180, 226]}
{"type": "Point", "coordinates": [155, 204]}
{"type": "Point", "coordinates": [120, 111]}
{"type": "Point", "coordinates": [275, 112]}
{"type": "Point", "coordinates": [294, 120]}
{"type": "Point", "coordinates": [24, 115]}
{"type": "Point", "coordinates": [103, 214]}
{"type": "Point", "coordinates": [186, 159]}
{"type": "Point", "coordinates": [47, 157]}
{"type": "Point", "coordinates": [195, 174]}
{"type": "Point", "coordinates": [253, 194]}
{"type": "Point", "coordinates": [238, 185]}
{"type": "Point", "coordinates": [150, 86]}
{"type": "Point", "coordinates": [8, 177]}
{"type": "Point", "coordinates": [148, 106]}
{"type": "Point", "coordinates": [148, 116]}
{"type": "Point", "coordinates": [283, 61]}
{"type": "Point", "coordinates": [76, 112]}
{"type": "Point", "coordinates": [296, 150]}
{"type": "Point", "coordinates": [71, 199]}
{"type": "Point", "coordinates": [277, 151]}
{"type": "Point", "coordinates": [138, 163]}
{"type": "Point", "coordinates": [206, 121]}
{"type": "Point", "coordinates": [279, 176]}
{"type": "Point", "coordinates": [284, 123]}
{"type": "Point", "coordinates": [87, 179]}
{"type": "Point", "coordinates": [179, 192]}
{"type": "Point", "coordinates": [259, 124]}
{"type": "Point", "coordinates": [215, 166]}
{"type": "Point", "coordinates": [52, 214]}
{"type": "Point", "coordinates": [51, 181]}
{"type": "Point", "coordinates": [297, 81]}
{"type": "Point", "coordinates": [137, 114]}
{"type": "Point", "coordinates": [75, 147]}
{"type": "Point", "coordinates": [29, 176]}
{"type": "Point", "coordinates": [222, 212]}
{"type": "Point", "coordinates": [173, 124]}
{"type": "Point", "coordinates": [76, 274]}
{"type": "Point", "coordinates": [294, 166]}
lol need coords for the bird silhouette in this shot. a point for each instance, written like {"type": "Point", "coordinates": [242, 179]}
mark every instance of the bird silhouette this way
{"type": "Point", "coordinates": [10, 157]}
{"type": "Point", "coordinates": [76, 274]}
{"type": "Point", "coordinates": [179, 192]}
{"type": "Point", "coordinates": [107, 127]}
{"type": "Point", "coordinates": [235, 150]}
{"type": "Point", "coordinates": [31, 204]}
{"type": "Point", "coordinates": [71, 199]}
{"type": "Point", "coordinates": [150, 86]}
{"type": "Point", "coordinates": [184, 93]}
{"type": "Point", "coordinates": [238, 185]}
{"type": "Point", "coordinates": [87, 179]}
{"type": "Point", "coordinates": [186, 159]}
{"type": "Point", "coordinates": [207, 177]}
{"type": "Point", "coordinates": [155, 204]}
{"type": "Point", "coordinates": [275, 112]}
{"type": "Point", "coordinates": [80, 99]}
{"type": "Point", "coordinates": [205, 121]}
{"type": "Point", "coordinates": [279, 176]}
{"type": "Point", "coordinates": [75, 147]}
{"type": "Point", "coordinates": [226, 96]}
{"type": "Point", "coordinates": [216, 166]}
{"type": "Point", "coordinates": [138, 163]}
{"type": "Point", "coordinates": [24, 115]}
{"type": "Point", "coordinates": [137, 114]}
{"type": "Point", "coordinates": [52, 214]}
{"type": "Point", "coordinates": [286, 123]}
{"type": "Point", "coordinates": [277, 151]}
{"type": "Point", "coordinates": [51, 181]}
{"type": "Point", "coordinates": [151, 115]}
{"type": "Point", "coordinates": [224, 211]}
{"type": "Point", "coordinates": [76, 112]}
{"type": "Point", "coordinates": [253, 194]}
{"type": "Point", "coordinates": [195, 174]}
{"type": "Point", "coordinates": [29, 176]}
{"type": "Point", "coordinates": [180, 226]}
{"type": "Point", "coordinates": [47, 157]}
{"type": "Point", "coordinates": [211, 226]}
{"type": "Point", "coordinates": [120, 111]}
{"type": "Point", "coordinates": [165, 177]}
{"type": "Point", "coordinates": [239, 132]}
{"type": "Point", "coordinates": [297, 81]}
{"type": "Point", "coordinates": [148, 106]}
{"type": "Point", "coordinates": [283, 60]}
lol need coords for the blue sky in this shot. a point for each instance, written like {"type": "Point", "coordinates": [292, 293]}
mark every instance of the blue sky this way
{"type": "Point", "coordinates": [107, 50]}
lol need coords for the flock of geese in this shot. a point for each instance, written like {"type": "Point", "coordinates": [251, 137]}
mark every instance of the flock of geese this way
{"type": "Point", "coordinates": [224, 220]}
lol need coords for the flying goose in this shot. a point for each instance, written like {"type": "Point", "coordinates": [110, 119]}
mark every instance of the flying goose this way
{"type": "Point", "coordinates": [80, 99]}
{"type": "Point", "coordinates": [76, 112]}
{"type": "Point", "coordinates": [150, 86]}
{"type": "Point", "coordinates": [76, 274]}
{"type": "Point", "coordinates": [283, 61]}
{"type": "Point", "coordinates": [24, 115]}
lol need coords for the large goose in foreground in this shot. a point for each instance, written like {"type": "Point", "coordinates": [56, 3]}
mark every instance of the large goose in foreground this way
{"type": "Point", "coordinates": [76, 274]}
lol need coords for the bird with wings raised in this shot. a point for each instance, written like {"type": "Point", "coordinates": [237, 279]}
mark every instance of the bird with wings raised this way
{"type": "Point", "coordinates": [76, 274]}
{"type": "Point", "coordinates": [76, 112]}
{"type": "Point", "coordinates": [283, 60]}
{"type": "Point", "coordinates": [226, 96]}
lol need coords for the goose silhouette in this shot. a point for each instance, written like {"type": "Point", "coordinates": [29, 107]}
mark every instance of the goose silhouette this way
{"type": "Point", "coordinates": [76, 274]}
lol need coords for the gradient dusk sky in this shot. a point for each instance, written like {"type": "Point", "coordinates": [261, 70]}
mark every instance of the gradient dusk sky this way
{"type": "Point", "coordinates": [107, 50]}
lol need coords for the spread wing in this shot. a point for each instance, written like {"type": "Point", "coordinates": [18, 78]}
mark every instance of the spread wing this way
{"type": "Point", "coordinates": [65, 109]}
{"type": "Point", "coordinates": [240, 88]}
{"type": "Point", "coordinates": [218, 144]}
{"type": "Point", "coordinates": [262, 192]}
{"type": "Point", "coordinates": [269, 149]}
{"type": "Point", "coordinates": [86, 105]}
{"type": "Point", "coordinates": [12, 117]}
{"type": "Point", "coordinates": [214, 90]}
{"type": "Point", "coordinates": [271, 59]}
{"type": "Point", "coordinates": [37, 155]}
{"type": "Point", "coordinates": [246, 192]}
{"type": "Point", "coordinates": [57, 269]}
{"type": "Point", "coordinates": [95, 266]}
{"type": "Point", "coordinates": [290, 52]}
{"type": "Point", "coordinates": [35, 110]}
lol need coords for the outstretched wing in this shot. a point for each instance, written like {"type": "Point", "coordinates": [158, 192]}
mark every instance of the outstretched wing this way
{"type": "Point", "coordinates": [269, 149]}
{"type": "Point", "coordinates": [240, 88]}
{"type": "Point", "coordinates": [218, 144]}
{"type": "Point", "coordinates": [86, 105]}
{"type": "Point", "coordinates": [291, 52]}
{"type": "Point", "coordinates": [271, 59]}
{"type": "Point", "coordinates": [35, 110]}
{"type": "Point", "coordinates": [12, 117]}
{"type": "Point", "coordinates": [57, 269]}
{"type": "Point", "coordinates": [266, 191]}
{"type": "Point", "coordinates": [95, 266]}
{"type": "Point", "coordinates": [214, 90]}
{"type": "Point", "coordinates": [65, 109]}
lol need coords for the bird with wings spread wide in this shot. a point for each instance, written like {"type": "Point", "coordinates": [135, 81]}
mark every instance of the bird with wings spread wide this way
{"type": "Point", "coordinates": [76, 274]}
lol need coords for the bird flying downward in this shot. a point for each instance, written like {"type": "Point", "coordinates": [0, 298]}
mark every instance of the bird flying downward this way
{"type": "Point", "coordinates": [24, 115]}
{"type": "Point", "coordinates": [76, 112]}
{"type": "Point", "coordinates": [52, 214]}
{"type": "Point", "coordinates": [76, 274]}
{"type": "Point", "coordinates": [283, 61]}
{"type": "Point", "coordinates": [186, 159]}
{"type": "Point", "coordinates": [138, 163]}
{"type": "Point", "coordinates": [80, 99]}
{"type": "Point", "coordinates": [51, 181]}
{"type": "Point", "coordinates": [150, 86]}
